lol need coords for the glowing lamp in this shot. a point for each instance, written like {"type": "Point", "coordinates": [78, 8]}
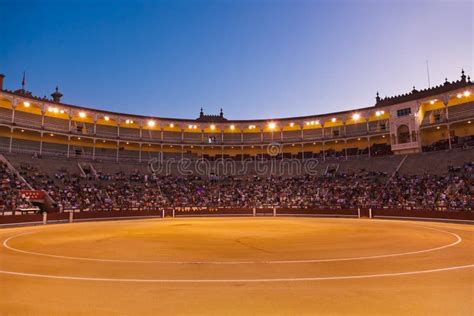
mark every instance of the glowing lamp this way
{"type": "Point", "coordinates": [355, 116]}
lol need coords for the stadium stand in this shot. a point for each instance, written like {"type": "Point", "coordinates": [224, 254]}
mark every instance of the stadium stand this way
{"type": "Point", "coordinates": [412, 151]}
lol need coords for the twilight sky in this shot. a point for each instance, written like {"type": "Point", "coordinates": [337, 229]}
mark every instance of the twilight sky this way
{"type": "Point", "coordinates": [256, 59]}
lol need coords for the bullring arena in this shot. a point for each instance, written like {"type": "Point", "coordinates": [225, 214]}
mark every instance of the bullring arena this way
{"type": "Point", "coordinates": [210, 265]}
{"type": "Point", "coordinates": [362, 212]}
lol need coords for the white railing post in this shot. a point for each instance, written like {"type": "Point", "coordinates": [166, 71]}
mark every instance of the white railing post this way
{"type": "Point", "coordinates": [71, 216]}
{"type": "Point", "coordinates": [45, 218]}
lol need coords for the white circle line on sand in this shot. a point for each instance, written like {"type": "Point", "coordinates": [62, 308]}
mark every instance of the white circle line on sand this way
{"type": "Point", "coordinates": [306, 279]}
{"type": "Point", "coordinates": [458, 240]}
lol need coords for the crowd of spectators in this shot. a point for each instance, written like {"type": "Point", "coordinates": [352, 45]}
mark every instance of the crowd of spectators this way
{"type": "Point", "coordinates": [10, 194]}
{"type": "Point", "coordinates": [453, 190]}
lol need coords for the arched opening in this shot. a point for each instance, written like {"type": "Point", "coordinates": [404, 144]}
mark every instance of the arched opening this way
{"type": "Point", "coordinates": [403, 134]}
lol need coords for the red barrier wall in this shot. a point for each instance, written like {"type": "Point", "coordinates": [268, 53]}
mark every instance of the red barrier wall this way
{"type": "Point", "coordinates": [447, 215]}
{"type": "Point", "coordinates": [213, 211]}
{"type": "Point", "coordinates": [30, 218]}
{"type": "Point", "coordinates": [317, 211]}
{"type": "Point", "coordinates": [91, 215]}
{"type": "Point", "coordinates": [112, 214]}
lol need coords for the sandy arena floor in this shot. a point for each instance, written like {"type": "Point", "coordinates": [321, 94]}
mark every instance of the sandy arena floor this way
{"type": "Point", "coordinates": [238, 266]}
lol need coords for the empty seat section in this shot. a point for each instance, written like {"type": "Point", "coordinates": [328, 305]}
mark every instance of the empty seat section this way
{"type": "Point", "coordinates": [129, 133]}
{"type": "Point", "coordinates": [56, 124]}
{"type": "Point", "coordinates": [356, 129]}
{"type": "Point", "coordinates": [313, 133]}
{"type": "Point", "coordinates": [106, 131]}
{"type": "Point", "coordinates": [5, 115]}
{"type": "Point", "coordinates": [27, 119]}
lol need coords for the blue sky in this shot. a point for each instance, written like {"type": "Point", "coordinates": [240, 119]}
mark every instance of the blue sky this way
{"type": "Point", "coordinates": [256, 59]}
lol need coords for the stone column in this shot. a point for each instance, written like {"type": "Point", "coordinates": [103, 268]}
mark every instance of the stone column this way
{"type": "Point", "coordinates": [43, 112]}
{"type": "Point", "coordinates": [14, 104]}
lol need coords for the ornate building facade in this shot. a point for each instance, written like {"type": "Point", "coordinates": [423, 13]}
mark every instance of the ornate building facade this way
{"type": "Point", "coordinates": [408, 123]}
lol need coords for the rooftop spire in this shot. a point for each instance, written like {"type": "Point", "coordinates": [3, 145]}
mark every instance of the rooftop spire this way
{"type": "Point", "coordinates": [57, 95]}
{"type": "Point", "coordinates": [23, 81]}
{"type": "Point", "coordinates": [463, 76]}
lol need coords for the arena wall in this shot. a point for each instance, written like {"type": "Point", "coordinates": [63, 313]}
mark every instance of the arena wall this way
{"type": "Point", "coordinates": [35, 219]}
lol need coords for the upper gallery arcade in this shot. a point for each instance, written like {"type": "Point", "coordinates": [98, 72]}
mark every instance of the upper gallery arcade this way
{"type": "Point", "coordinates": [405, 123]}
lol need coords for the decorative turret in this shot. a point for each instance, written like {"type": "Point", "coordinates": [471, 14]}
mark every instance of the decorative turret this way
{"type": "Point", "coordinates": [57, 95]}
{"type": "Point", "coordinates": [377, 97]}
{"type": "Point", "coordinates": [1, 81]}
{"type": "Point", "coordinates": [463, 76]}
{"type": "Point", "coordinates": [221, 114]}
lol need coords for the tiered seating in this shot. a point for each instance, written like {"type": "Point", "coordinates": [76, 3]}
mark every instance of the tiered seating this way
{"type": "Point", "coordinates": [153, 135]}
{"type": "Point", "coordinates": [134, 187]}
{"type": "Point", "coordinates": [382, 164]}
{"type": "Point", "coordinates": [25, 146]}
{"type": "Point", "coordinates": [314, 133]}
{"type": "Point", "coordinates": [268, 137]}
{"type": "Point", "coordinates": [10, 197]}
{"type": "Point", "coordinates": [5, 115]}
{"type": "Point", "coordinates": [54, 149]}
{"type": "Point", "coordinates": [292, 136]}
{"type": "Point", "coordinates": [171, 137]}
{"type": "Point", "coordinates": [106, 131]}
{"type": "Point", "coordinates": [252, 138]}
{"type": "Point", "coordinates": [129, 133]}
{"type": "Point", "coordinates": [197, 137]}
{"type": "Point", "coordinates": [4, 143]}
{"type": "Point", "coordinates": [232, 138]}
{"type": "Point", "coordinates": [47, 165]}
{"type": "Point", "coordinates": [378, 126]}
{"type": "Point", "coordinates": [356, 129]}
{"type": "Point", "coordinates": [106, 154]}
{"type": "Point", "coordinates": [56, 124]}
{"type": "Point", "coordinates": [461, 111]}
{"type": "Point", "coordinates": [436, 162]}
{"type": "Point", "coordinates": [27, 119]}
